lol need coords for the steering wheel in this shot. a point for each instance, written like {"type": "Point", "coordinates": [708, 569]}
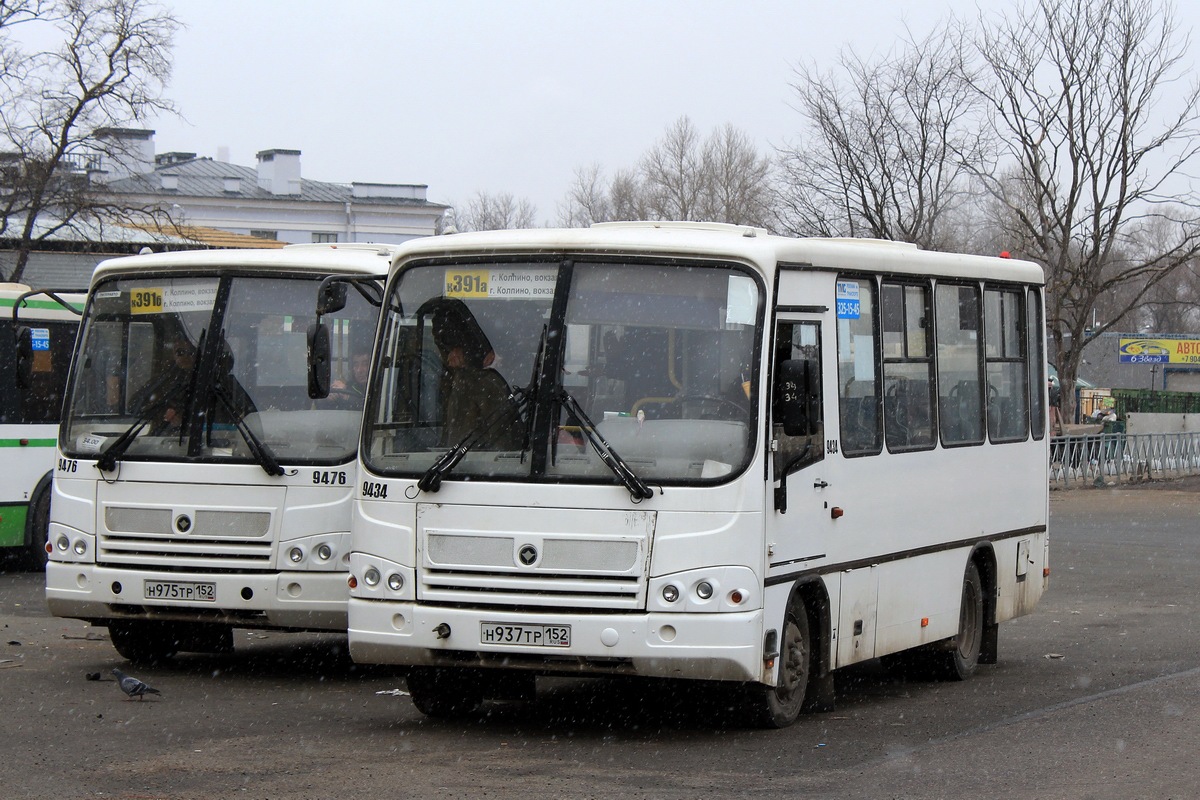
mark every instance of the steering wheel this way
{"type": "Point", "coordinates": [711, 405]}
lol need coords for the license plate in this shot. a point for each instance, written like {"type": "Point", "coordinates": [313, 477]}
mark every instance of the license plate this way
{"type": "Point", "coordinates": [524, 634]}
{"type": "Point", "coordinates": [180, 590]}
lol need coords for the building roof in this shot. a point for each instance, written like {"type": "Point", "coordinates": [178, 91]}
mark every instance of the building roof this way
{"type": "Point", "coordinates": [205, 177]}
{"type": "Point", "coordinates": [217, 238]}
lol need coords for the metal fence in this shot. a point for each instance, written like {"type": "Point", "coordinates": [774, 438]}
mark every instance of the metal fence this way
{"type": "Point", "coordinates": [1103, 458]}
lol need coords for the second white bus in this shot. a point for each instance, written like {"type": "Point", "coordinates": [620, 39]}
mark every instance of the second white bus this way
{"type": "Point", "coordinates": [37, 335]}
{"type": "Point", "coordinates": [696, 451]}
{"type": "Point", "coordinates": [199, 487]}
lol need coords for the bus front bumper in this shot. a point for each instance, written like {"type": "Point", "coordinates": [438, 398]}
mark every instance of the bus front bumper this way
{"type": "Point", "coordinates": [290, 600]}
{"type": "Point", "coordinates": [727, 647]}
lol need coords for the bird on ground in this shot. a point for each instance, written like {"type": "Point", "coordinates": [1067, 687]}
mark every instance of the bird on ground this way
{"type": "Point", "coordinates": [132, 686]}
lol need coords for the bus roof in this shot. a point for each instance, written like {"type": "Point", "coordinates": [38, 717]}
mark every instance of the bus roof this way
{"type": "Point", "coordinates": [735, 242]}
{"type": "Point", "coordinates": [368, 259]}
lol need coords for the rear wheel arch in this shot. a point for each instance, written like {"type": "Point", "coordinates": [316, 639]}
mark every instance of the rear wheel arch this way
{"type": "Point", "coordinates": [984, 559]}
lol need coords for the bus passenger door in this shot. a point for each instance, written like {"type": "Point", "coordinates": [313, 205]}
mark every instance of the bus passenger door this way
{"type": "Point", "coordinates": [800, 471]}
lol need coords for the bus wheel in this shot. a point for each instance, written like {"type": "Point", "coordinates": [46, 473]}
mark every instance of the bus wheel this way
{"type": "Point", "coordinates": [778, 706]}
{"type": "Point", "coordinates": [438, 692]}
{"type": "Point", "coordinates": [960, 661]}
{"type": "Point", "coordinates": [143, 642]}
{"type": "Point", "coordinates": [39, 531]}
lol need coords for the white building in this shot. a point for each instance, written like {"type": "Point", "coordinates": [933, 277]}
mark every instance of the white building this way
{"type": "Point", "coordinates": [271, 200]}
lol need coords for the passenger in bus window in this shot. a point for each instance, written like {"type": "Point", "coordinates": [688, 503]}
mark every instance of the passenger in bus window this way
{"type": "Point", "coordinates": [474, 394]}
{"type": "Point", "coordinates": [351, 393]}
{"type": "Point", "coordinates": [183, 355]}
{"type": "Point", "coordinates": [166, 397]}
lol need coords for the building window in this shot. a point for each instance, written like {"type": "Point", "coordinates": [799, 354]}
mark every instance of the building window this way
{"type": "Point", "coordinates": [265, 234]}
{"type": "Point", "coordinates": [324, 238]}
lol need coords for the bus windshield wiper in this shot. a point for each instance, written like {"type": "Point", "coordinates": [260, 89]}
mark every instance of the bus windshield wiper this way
{"type": "Point", "coordinates": [638, 490]}
{"type": "Point", "coordinates": [262, 454]}
{"type": "Point", "coordinates": [106, 460]}
{"type": "Point", "coordinates": [431, 481]}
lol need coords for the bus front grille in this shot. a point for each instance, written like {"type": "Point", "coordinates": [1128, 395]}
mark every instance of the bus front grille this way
{"type": "Point", "coordinates": [210, 539]}
{"type": "Point", "coordinates": [543, 570]}
{"type": "Point", "coordinates": [500, 590]}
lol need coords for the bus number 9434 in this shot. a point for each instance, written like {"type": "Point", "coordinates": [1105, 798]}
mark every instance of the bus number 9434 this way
{"type": "Point", "coordinates": [372, 489]}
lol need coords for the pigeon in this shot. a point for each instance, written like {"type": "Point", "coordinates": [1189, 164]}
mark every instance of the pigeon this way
{"type": "Point", "coordinates": [132, 686]}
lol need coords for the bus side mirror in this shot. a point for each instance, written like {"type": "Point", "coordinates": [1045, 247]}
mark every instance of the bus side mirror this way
{"type": "Point", "coordinates": [24, 356]}
{"type": "Point", "coordinates": [798, 397]}
{"type": "Point", "coordinates": [319, 367]}
{"type": "Point", "coordinates": [331, 297]}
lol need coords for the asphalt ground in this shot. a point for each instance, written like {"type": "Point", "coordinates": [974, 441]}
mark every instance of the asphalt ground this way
{"type": "Point", "coordinates": [1097, 695]}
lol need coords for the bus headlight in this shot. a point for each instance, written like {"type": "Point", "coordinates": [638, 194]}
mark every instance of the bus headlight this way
{"type": "Point", "coordinates": [62, 542]}
{"type": "Point", "coordinates": [80, 547]}
{"type": "Point", "coordinates": [670, 593]}
{"type": "Point", "coordinates": [395, 581]}
{"type": "Point", "coordinates": [704, 590]}
{"type": "Point", "coordinates": [324, 551]}
{"type": "Point", "coordinates": [296, 555]}
{"type": "Point", "coordinates": [371, 577]}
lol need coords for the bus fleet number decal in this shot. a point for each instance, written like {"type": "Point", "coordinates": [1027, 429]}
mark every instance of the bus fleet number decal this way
{"type": "Point", "coordinates": [372, 489]}
{"type": "Point", "coordinates": [329, 478]}
{"type": "Point", "coordinates": [68, 465]}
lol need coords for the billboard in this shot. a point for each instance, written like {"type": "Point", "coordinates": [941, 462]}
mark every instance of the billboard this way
{"type": "Point", "coordinates": [1159, 351]}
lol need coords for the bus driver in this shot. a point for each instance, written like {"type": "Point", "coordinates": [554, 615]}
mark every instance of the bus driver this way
{"type": "Point", "coordinates": [474, 393]}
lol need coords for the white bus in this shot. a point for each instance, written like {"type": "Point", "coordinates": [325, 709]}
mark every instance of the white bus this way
{"type": "Point", "coordinates": [696, 451]}
{"type": "Point", "coordinates": [37, 333]}
{"type": "Point", "coordinates": [199, 487]}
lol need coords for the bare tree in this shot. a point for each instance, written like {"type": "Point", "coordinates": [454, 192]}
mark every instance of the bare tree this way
{"type": "Point", "coordinates": [594, 198]}
{"type": "Point", "coordinates": [588, 199]}
{"type": "Point", "coordinates": [673, 175]}
{"type": "Point", "coordinates": [1172, 306]}
{"type": "Point", "coordinates": [890, 145]}
{"type": "Point", "coordinates": [490, 212]}
{"type": "Point", "coordinates": [109, 71]}
{"type": "Point", "coordinates": [738, 180]}
{"type": "Point", "coordinates": [681, 177]}
{"type": "Point", "coordinates": [1077, 90]}
{"type": "Point", "coordinates": [626, 196]}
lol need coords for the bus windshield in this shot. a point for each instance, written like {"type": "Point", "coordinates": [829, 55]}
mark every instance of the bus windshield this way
{"type": "Point", "coordinates": [583, 370]}
{"type": "Point", "coordinates": [212, 368]}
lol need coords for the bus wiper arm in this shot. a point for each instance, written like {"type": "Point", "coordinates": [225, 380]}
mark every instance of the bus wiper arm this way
{"type": "Point", "coordinates": [431, 481]}
{"type": "Point", "coordinates": [106, 460]}
{"type": "Point", "coordinates": [262, 454]}
{"type": "Point", "coordinates": [638, 490]}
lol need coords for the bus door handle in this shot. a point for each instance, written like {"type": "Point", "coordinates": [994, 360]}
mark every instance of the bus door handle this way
{"type": "Point", "coordinates": [820, 484]}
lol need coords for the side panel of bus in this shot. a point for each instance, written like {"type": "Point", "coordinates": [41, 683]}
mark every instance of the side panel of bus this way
{"type": "Point", "coordinates": [29, 416]}
{"type": "Point", "coordinates": [890, 517]}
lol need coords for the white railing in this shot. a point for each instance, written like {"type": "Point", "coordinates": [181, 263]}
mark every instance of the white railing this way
{"type": "Point", "coordinates": [1102, 458]}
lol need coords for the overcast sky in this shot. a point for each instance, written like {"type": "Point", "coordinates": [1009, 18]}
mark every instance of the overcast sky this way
{"type": "Point", "coordinates": [499, 96]}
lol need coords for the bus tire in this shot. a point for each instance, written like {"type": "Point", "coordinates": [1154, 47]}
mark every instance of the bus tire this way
{"type": "Point", "coordinates": [142, 642]}
{"type": "Point", "coordinates": [779, 706]}
{"type": "Point", "coordinates": [446, 693]}
{"type": "Point", "coordinates": [39, 532]}
{"type": "Point", "coordinates": [959, 662]}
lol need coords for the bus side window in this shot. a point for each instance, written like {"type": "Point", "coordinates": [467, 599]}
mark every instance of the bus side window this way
{"type": "Point", "coordinates": [861, 423]}
{"type": "Point", "coordinates": [797, 423]}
